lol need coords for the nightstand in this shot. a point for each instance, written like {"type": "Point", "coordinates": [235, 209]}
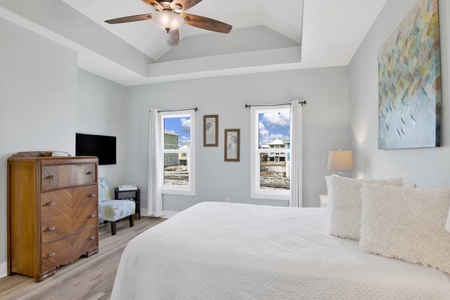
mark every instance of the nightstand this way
{"type": "Point", "coordinates": [323, 200]}
{"type": "Point", "coordinates": [134, 195]}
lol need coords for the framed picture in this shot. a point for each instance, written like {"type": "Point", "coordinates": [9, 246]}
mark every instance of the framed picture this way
{"type": "Point", "coordinates": [211, 131]}
{"type": "Point", "coordinates": [409, 82]}
{"type": "Point", "coordinates": [232, 144]}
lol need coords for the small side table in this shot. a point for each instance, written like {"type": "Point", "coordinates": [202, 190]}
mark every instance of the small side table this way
{"type": "Point", "coordinates": [323, 200]}
{"type": "Point", "coordinates": [134, 195]}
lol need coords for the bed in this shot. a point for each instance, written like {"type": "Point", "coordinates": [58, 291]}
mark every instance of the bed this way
{"type": "Point", "coordinates": [239, 251]}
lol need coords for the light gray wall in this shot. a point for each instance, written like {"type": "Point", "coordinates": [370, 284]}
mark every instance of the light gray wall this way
{"type": "Point", "coordinates": [326, 126]}
{"type": "Point", "coordinates": [100, 106]}
{"type": "Point", "coordinates": [81, 30]}
{"type": "Point", "coordinates": [37, 102]}
{"type": "Point", "coordinates": [429, 167]}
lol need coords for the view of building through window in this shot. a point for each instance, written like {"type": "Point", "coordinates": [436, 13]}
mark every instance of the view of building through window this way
{"type": "Point", "coordinates": [177, 139]}
{"type": "Point", "coordinates": [274, 149]}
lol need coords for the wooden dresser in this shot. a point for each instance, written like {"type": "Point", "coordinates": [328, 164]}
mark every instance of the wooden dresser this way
{"type": "Point", "coordinates": [52, 212]}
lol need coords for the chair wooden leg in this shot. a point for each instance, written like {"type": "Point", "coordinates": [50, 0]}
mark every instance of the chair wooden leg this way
{"type": "Point", "coordinates": [131, 220]}
{"type": "Point", "coordinates": [113, 228]}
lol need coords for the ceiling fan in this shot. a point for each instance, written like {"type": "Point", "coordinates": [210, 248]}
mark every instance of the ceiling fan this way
{"type": "Point", "coordinates": [170, 14]}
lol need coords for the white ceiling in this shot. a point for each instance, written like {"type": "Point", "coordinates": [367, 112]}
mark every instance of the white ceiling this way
{"type": "Point", "coordinates": [285, 18]}
{"type": "Point", "coordinates": [266, 36]}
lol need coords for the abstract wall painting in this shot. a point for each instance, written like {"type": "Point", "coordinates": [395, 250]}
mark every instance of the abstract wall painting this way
{"type": "Point", "coordinates": [409, 82]}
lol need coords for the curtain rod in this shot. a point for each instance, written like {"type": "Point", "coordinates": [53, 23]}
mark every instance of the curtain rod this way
{"type": "Point", "coordinates": [171, 110]}
{"type": "Point", "coordinates": [299, 102]}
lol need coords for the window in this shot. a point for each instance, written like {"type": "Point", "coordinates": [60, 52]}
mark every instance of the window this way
{"type": "Point", "coordinates": [178, 152]}
{"type": "Point", "coordinates": [270, 152]}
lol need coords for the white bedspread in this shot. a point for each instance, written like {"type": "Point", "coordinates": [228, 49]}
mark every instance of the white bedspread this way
{"type": "Point", "coordinates": [239, 251]}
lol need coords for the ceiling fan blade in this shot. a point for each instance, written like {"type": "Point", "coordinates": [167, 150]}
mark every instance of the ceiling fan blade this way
{"type": "Point", "coordinates": [206, 23]}
{"type": "Point", "coordinates": [185, 4]}
{"type": "Point", "coordinates": [130, 19]}
{"type": "Point", "coordinates": [173, 37]}
{"type": "Point", "coordinates": [155, 4]}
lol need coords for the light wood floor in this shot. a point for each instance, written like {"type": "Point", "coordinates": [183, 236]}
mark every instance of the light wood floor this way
{"type": "Point", "coordinates": [85, 278]}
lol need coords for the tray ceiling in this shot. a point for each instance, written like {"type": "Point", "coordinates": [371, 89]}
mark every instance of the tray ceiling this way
{"type": "Point", "coordinates": [266, 36]}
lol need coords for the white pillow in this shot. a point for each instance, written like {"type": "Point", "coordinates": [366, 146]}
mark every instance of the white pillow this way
{"type": "Point", "coordinates": [345, 207]}
{"type": "Point", "coordinates": [407, 224]}
{"type": "Point", "coordinates": [328, 181]}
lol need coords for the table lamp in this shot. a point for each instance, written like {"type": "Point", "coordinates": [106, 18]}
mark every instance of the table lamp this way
{"type": "Point", "coordinates": [447, 226]}
{"type": "Point", "coordinates": [340, 160]}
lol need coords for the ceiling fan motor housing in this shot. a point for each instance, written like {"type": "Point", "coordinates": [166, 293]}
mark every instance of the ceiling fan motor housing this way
{"type": "Point", "coordinates": [167, 4]}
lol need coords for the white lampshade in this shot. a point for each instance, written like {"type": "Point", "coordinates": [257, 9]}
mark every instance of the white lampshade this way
{"type": "Point", "coordinates": [340, 160]}
{"type": "Point", "coordinates": [447, 226]}
{"type": "Point", "coordinates": [167, 20]}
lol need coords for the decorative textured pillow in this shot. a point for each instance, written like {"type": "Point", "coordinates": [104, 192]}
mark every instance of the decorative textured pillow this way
{"type": "Point", "coordinates": [345, 207]}
{"type": "Point", "coordinates": [407, 224]}
{"type": "Point", "coordinates": [328, 181]}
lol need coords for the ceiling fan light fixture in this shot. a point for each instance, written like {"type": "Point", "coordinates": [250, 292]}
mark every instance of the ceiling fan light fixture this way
{"type": "Point", "coordinates": [177, 7]}
{"type": "Point", "coordinates": [167, 20]}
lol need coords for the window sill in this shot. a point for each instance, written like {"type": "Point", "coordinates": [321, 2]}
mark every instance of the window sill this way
{"type": "Point", "coordinates": [269, 196]}
{"type": "Point", "coordinates": [178, 192]}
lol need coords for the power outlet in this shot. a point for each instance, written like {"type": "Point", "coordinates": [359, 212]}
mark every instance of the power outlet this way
{"type": "Point", "coordinates": [227, 199]}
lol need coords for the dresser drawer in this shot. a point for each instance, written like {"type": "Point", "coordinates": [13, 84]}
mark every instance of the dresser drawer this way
{"type": "Point", "coordinates": [62, 176]}
{"type": "Point", "coordinates": [64, 201]}
{"type": "Point", "coordinates": [55, 203]}
{"type": "Point", "coordinates": [58, 227]}
{"type": "Point", "coordinates": [64, 251]}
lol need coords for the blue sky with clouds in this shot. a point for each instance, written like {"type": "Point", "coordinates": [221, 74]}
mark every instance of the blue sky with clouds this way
{"type": "Point", "coordinates": [274, 125]}
{"type": "Point", "coordinates": [181, 126]}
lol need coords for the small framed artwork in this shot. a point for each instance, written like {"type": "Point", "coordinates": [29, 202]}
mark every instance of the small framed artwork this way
{"type": "Point", "coordinates": [232, 144]}
{"type": "Point", "coordinates": [211, 131]}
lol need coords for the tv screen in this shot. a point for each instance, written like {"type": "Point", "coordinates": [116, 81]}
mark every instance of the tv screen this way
{"type": "Point", "coordinates": [102, 146]}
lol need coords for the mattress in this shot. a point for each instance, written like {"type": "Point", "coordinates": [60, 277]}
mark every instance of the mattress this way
{"type": "Point", "coordinates": [238, 251]}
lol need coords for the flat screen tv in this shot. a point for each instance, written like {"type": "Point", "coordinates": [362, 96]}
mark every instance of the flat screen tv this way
{"type": "Point", "coordinates": [102, 146]}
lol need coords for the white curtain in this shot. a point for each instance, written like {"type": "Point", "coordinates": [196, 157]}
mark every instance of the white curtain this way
{"type": "Point", "coordinates": [295, 199]}
{"type": "Point", "coordinates": [155, 166]}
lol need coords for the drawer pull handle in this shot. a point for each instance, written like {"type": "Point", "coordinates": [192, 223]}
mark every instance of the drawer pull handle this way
{"type": "Point", "coordinates": [91, 216]}
{"type": "Point", "coordinates": [91, 238]}
{"type": "Point", "coordinates": [50, 177]}
{"type": "Point", "coordinates": [92, 195]}
{"type": "Point", "coordinates": [50, 255]}
{"type": "Point", "coordinates": [51, 228]}
{"type": "Point", "coordinates": [88, 173]}
{"type": "Point", "coordinates": [50, 203]}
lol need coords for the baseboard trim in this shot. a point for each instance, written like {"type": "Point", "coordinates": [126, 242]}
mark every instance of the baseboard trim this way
{"type": "Point", "coordinates": [3, 269]}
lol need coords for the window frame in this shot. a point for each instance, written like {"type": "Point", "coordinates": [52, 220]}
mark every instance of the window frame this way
{"type": "Point", "coordinates": [188, 190]}
{"type": "Point", "coordinates": [256, 191]}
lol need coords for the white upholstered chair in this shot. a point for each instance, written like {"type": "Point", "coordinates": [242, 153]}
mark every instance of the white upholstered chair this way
{"type": "Point", "coordinates": [113, 210]}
